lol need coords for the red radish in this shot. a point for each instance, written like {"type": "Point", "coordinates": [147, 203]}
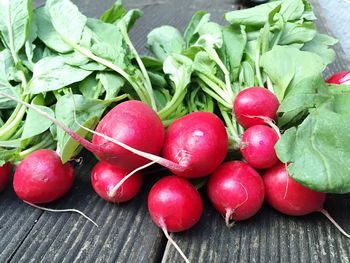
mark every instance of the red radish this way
{"type": "Point", "coordinates": [340, 78]}
{"type": "Point", "coordinates": [289, 197]}
{"type": "Point", "coordinates": [41, 177]}
{"type": "Point", "coordinates": [175, 205]}
{"type": "Point", "coordinates": [236, 190]}
{"type": "Point", "coordinates": [5, 172]}
{"type": "Point", "coordinates": [252, 103]}
{"type": "Point", "coordinates": [135, 124]}
{"type": "Point", "coordinates": [105, 177]}
{"type": "Point", "coordinates": [258, 146]}
{"type": "Point", "coordinates": [198, 142]}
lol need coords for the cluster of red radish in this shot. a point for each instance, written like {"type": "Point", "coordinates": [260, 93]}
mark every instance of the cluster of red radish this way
{"type": "Point", "coordinates": [131, 137]}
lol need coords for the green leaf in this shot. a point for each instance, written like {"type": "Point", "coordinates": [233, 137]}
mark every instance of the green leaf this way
{"type": "Point", "coordinates": [88, 112]}
{"type": "Point", "coordinates": [51, 73]}
{"type": "Point", "coordinates": [234, 42]}
{"type": "Point", "coordinates": [35, 123]}
{"type": "Point", "coordinates": [297, 33]}
{"type": "Point", "coordinates": [165, 40]}
{"type": "Point", "coordinates": [320, 45]}
{"type": "Point", "coordinates": [287, 66]}
{"type": "Point", "coordinates": [258, 15]}
{"type": "Point", "coordinates": [318, 151]}
{"type": "Point", "coordinates": [90, 87]}
{"type": "Point", "coordinates": [47, 33]}
{"type": "Point", "coordinates": [6, 62]}
{"type": "Point", "coordinates": [66, 19]}
{"type": "Point", "coordinates": [114, 13]}
{"type": "Point", "coordinates": [111, 83]}
{"type": "Point", "coordinates": [203, 63]}
{"type": "Point", "coordinates": [308, 93]}
{"type": "Point", "coordinates": [15, 19]}
{"type": "Point", "coordinates": [197, 20]}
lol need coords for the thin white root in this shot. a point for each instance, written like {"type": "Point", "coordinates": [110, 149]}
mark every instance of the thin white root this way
{"type": "Point", "coordinates": [61, 211]}
{"type": "Point", "coordinates": [228, 214]}
{"type": "Point", "coordinates": [287, 183]}
{"type": "Point", "coordinates": [114, 190]}
{"type": "Point", "coordinates": [269, 122]}
{"type": "Point", "coordinates": [326, 214]}
{"type": "Point", "coordinates": [174, 244]}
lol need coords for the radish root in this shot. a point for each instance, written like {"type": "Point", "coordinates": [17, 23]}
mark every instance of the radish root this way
{"type": "Point", "coordinates": [114, 190]}
{"type": "Point", "coordinates": [326, 214]}
{"type": "Point", "coordinates": [166, 233]}
{"type": "Point", "coordinates": [230, 212]}
{"type": "Point", "coordinates": [61, 211]}
{"type": "Point", "coordinates": [269, 122]}
{"type": "Point", "coordinates": [287, 183]}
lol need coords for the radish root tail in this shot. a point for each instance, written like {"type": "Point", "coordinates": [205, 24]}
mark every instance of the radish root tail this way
{"type": "Point", "coordinates": [61, 211]}
{"type": "Point", "coordinates": [174, 243]}
{"type": "Point", "coordinates": [269, 122]}
{"type": "Point", "coordinates": [114, 190]}
{"type": "Point", "coordinates": [326, 214]}
{"type": "Point", "coordinates": [228, 214]}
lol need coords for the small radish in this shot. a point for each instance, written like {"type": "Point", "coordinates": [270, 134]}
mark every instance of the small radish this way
{"type": "Point", "coordinates": [41, 177]}
{"type": "Point", "coordinates": [339, 78]}
{"type": "Point", "coordinates": [174, 205]}
{"type": "Point", "coordinates": [198, 142]}
{"type": "Point", "coordinates": [5, 172]}
{"type": "Point", "coordinates": [257, 146]}
{"type": "Point", "coordinates": [135, 124]}
{"type": "Point", "coordinates": [105, 177]}
{"type": "Point", "coordinates": [289, 197]}
{"type": "Point", "coordinates": [236, 190]}
{"type": "Point", "coordinates": [252, 103]}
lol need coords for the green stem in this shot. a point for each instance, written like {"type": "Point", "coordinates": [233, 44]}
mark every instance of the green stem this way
{"type": "Point", "coordinates": [171, 106]}
{"type": "Point", "coordinates": [216, 88]}
{"type": "Point", "coordinates": [213, 94]}
{"type": "Point", "coordinates": [48, 141]}
{"type": "Point", "coordinates": [257, 63]}
{"type": "Point", "coordinates": [148, 84]}
{"type": "Point", "coordinates": [214, 55]}
{"type": "Point", "coordinates": [230, 127]}
{"type": "Point", "coordinates": [7, 131]}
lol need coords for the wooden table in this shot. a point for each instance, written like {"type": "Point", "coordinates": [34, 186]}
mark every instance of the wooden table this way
{"type": "Point", "coordinates": [126, 232]}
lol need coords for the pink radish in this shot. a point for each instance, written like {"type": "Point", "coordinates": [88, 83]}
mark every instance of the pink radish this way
{"type": "Point", "coordinates": [41, 177]}
{"type": "Point", "coordinates": [258, 146]}
{"type": "Point", "coordinates": [289, 197]}
{"type": "Point", "coordinates": [135, 124]}
{"type": "Point", "coordinates": [340, 78]}
{"type": "Point", "coordinates": [174, 205]}
{"type": "Point", "coordinates": [198, 142]}
{"type": "Point", "coordinates": [252, 103]}
{"type": "Point", "coordinates": [105, 177]}
{"type": "Point", "coordinates": [5, 172]}
{"type": "Point", "coordinates": [236, 190]}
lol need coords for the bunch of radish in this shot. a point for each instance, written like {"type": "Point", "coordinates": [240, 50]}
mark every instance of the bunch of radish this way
{"type": "Point", "coordinates": [132, 137]}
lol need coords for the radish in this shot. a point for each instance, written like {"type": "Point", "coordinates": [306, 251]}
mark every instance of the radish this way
{"type": "Point", "coordinates": [236, 191]}
{"type": "Point", "coordinates": [135, 124]}
{"type": "Point", "coordinates": [41, 177]}
{"type": "Point", "coordinates": [257, 146]}
{"type": "Point", "coordinates": [289, 197]}
{"type": "Point", "coordinates": [5, 172]}
{"type": "Point", "coordinates": [339, 78]}
{"type": "Point", "coordinates": [252, 103]}
{"type": "Point", "coordinates": [198, 142]}
{"type": "Point", "coordinates": [105, 177]}
{"type": "Point", "coordinates": [174, 205]}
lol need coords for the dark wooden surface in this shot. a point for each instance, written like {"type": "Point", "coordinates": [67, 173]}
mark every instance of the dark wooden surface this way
{"type": "Point", "coordinates": [126, 232]}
